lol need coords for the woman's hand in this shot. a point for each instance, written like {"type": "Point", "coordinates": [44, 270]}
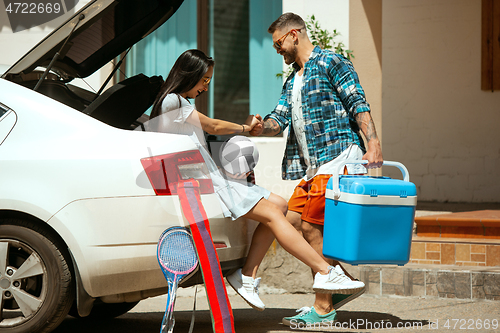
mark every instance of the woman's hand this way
{"type": "Point", "coordinates": [253, 121]}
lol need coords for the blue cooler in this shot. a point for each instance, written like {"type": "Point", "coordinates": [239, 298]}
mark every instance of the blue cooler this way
{"type": "Point", "coordinates": [369, 220]}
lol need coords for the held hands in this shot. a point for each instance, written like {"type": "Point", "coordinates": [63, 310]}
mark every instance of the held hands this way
{"type": "Point", "coordinates": [256, 124]}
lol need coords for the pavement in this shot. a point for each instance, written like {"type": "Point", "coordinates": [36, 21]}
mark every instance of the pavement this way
{"type": "Point", "coordinates": [364, 314]}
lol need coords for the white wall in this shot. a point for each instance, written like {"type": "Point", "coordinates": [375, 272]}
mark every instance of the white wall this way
{"type": "Point", "coordinates": [330, 14]}
{"type": "Point", "coordinates": [436, 119]}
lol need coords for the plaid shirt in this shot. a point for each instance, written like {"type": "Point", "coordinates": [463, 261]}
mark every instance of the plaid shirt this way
{"type": "Point", "coordinates": [331, 97]}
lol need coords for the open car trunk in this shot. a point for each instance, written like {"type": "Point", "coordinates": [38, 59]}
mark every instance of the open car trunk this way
{"type": "Point", "coordinates": [91, 38]}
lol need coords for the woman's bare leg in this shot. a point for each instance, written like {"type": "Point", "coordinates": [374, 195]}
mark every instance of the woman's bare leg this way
{"type": "Point", "coordinates": [268, 214]}
{"type": "Point", "coordinates": [262, 239]}
{"type": "Point", "coordinates": [273, 219]}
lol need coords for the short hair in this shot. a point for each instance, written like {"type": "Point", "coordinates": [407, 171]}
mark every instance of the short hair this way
{"type": "Point", "coordinates": [287, 20]}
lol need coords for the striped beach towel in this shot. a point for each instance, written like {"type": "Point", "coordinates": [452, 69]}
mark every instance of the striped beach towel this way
{"type": "Point", "coordinates": [192, 207]}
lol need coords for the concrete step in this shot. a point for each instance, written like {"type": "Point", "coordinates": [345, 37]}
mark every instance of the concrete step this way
{"type": "Point", "coordinates": [484, 224]}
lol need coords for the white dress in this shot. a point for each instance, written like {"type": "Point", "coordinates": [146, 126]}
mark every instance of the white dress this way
{"type": "Point", "coordinates": [237, 197]}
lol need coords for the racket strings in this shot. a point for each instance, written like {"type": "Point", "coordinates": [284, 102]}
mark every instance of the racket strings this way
{"type": "Point", "coordinates": [177, 253]}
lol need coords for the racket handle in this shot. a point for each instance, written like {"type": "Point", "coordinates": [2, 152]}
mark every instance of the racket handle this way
{"type": "Point", "coordinates": [164, 322]}
{"type": "Point", "coordinates": [171, 324]}
{"type": "Point", "coordinates": [171, 319]}
{"type": "Point", "coordinates": [168, 309]}
{"type": "Point", "coordinates": [168, 322]}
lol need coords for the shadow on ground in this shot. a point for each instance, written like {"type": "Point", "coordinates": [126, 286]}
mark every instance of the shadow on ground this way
{"type": "Point", "coordinates": [246, 320]}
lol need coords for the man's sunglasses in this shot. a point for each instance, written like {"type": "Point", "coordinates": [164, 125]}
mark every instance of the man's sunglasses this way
{"type": "Point", "coordinates": [279, 43]}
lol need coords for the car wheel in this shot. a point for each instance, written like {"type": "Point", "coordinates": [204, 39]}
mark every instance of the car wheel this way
{"type": "Point", "coordinates": [105, 310]}
{"type": "Point", "coordinates": [35, 279]}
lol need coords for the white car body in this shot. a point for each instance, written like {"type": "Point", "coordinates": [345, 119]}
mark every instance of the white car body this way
{"type": "Point", "coordinates": [85, 179]}
{"type": "Point", "coordinates": [82, 182]}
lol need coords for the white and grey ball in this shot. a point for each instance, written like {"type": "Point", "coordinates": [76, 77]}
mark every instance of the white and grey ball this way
{"type": "Point", "coordinates": [239, 155]}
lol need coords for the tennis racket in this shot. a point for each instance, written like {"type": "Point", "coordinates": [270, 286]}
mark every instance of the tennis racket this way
{"type": "Point", "coordinates": [177, 258]}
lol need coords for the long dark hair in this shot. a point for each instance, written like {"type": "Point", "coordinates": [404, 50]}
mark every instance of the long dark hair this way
{"type": "Point", "coordinates": [187, 71]}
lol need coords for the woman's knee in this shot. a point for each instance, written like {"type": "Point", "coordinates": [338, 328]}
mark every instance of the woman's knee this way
{"type": "Point", "coordinates": [281, 203]}
{"type": "Point", "coordinates": [265, 211]}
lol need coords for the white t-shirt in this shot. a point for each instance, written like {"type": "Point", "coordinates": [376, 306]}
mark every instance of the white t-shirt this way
{"type": "Point", "coordinates": [176, 119]}
{"type": "Point", "coordinates": [298, 118]}
{"type": "Point", "coordinates": [354, 152]}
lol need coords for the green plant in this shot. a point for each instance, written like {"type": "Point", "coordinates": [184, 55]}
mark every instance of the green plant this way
{"type": "Point", "coordinates": [324, 39]}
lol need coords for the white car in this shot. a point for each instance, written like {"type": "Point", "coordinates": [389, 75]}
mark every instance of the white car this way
{"type": "Point", "coordinates": [83, 196]}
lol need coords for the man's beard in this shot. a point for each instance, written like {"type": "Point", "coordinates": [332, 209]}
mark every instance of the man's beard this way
{"type": "Point", "coordinates": [290, 56]}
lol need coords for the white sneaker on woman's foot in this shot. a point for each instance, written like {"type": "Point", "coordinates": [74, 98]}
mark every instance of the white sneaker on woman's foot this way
{"type": "Point", "coordinates": [248, 288]}
{"type": "Point", "coordinates": [336, 282]}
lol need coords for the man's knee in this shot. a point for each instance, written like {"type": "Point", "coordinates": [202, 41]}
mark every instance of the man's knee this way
{"type": "Point", "coordinates": [312, 232]}
{"type": "Point", "coordinates": [294, 219]}
{"type": "Point", "coordinates": [283, 206]}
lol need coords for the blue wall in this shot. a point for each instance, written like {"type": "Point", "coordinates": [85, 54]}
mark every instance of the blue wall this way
{"type": "Point", "coordinates": [265, 63]}
{"type": "Point", "coordinates": [156, 54]}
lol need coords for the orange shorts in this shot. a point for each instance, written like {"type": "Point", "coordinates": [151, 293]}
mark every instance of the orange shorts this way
{"type": "Point", "coordinates": [308, 199]}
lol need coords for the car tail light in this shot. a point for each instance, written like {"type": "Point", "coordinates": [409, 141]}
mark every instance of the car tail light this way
{"type": "Point", "coordinates": [220, 245]}
{"type": "Point", "coordinates": [166, 171]}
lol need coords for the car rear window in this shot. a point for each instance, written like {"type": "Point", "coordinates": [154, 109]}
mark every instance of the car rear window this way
{"type": "Point", "coordinates": [3, 111]}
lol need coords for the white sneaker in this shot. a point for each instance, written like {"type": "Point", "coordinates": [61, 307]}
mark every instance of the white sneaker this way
{"type": "Point", "coordinates": [336, 282]}
{"type": "Point", "coordinates": [248, 288]}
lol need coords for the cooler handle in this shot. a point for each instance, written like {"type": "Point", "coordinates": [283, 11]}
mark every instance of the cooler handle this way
{"type": "Point", "coordinates": [336, 189]}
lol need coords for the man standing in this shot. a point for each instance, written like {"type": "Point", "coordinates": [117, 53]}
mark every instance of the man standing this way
{"type": "Point", "coordinates": [326, 107]}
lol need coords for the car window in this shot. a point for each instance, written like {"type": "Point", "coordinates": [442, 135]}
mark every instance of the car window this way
{"type": "Point", "coordinates": [8, 119]}
{"type": "Point", "coordinates": [3, 111]}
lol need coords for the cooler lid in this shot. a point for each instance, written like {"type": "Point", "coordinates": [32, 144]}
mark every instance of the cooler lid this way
{"type": "Point", "coordinates": [375, 186]}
